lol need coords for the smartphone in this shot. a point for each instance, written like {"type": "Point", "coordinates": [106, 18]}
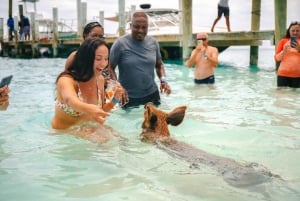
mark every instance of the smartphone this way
{"type": "Point", "coordinates": [293, 40]}
{"type": "Point", "coordinates": [6, 81]}
{"type": "Point", "coordinates": [200, 42]}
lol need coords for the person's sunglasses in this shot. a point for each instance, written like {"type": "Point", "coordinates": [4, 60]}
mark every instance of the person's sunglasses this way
{"type": "Point", "coordinates": [204, 39]}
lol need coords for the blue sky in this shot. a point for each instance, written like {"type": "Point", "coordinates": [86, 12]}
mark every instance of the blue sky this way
{"type": "Point", "coordinates": [204, 11]}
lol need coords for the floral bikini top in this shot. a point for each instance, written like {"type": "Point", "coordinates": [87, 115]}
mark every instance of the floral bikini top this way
{"type": "Point", "coordinates": [69, 110]}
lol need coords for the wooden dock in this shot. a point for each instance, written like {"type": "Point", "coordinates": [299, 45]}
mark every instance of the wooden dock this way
{"type": "Point", "coordinates": [171, 45]}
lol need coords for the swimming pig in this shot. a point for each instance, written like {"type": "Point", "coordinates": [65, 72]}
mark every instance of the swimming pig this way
{"type": "Point", "coordinates": [155, 130]}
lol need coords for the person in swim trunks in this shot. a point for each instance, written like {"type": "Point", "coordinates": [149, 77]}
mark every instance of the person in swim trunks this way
{"type": "Point", "coordinates": [223, 8]}
{"type": "Point", "coordinates": [80, 88]}
{"type": "Point", "coordinates": [205, 60]}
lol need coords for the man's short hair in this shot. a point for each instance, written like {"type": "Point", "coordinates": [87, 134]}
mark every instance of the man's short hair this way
{"type": "Point", "coordinates": [139, 14]}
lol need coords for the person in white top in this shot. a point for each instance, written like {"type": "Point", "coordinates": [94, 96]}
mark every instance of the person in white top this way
{"type": "Point", "coordinates": [223, 8]}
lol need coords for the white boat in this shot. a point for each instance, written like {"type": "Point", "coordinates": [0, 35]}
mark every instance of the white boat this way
{"type": "Point", "coordinates": [45, 26]}
{"type": "Point", "coordinates": [46, 30]}
{"type": "Point", "coordinates": [161, 21]}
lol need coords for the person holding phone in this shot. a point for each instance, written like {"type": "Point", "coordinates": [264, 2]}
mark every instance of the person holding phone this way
{"type": "Point", "coordinates": [80, 88]}
{"type": "Point", "coordinates": [94, 29]}
{"type": "Point", "coordinates": [205, 59]}
{"type": "Point", "coordinates": [288, 54]}
{"type": "Point", "coordinates": [4, 97]}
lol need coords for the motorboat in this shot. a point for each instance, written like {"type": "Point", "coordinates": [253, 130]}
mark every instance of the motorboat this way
{"type": "Point", "coordinates": [161, 20]}
{"type": "Point", "coordinates": [45, 30]}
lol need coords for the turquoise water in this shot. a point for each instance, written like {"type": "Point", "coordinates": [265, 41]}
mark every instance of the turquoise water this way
{"type": "Point", "coordinates": [244, 117]}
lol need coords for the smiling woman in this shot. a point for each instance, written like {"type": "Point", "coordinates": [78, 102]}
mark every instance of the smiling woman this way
{"type": "Point", "coordinates": [80, 88]}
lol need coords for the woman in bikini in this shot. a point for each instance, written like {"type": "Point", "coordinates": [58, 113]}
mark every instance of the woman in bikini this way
{"type": "Point", "coordinates": [95, 30]}
{"type": "Point", "coordinates": [80, 88]}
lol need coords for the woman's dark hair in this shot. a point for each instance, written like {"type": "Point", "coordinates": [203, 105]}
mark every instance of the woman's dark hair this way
{"type": "Point", "coordinates": [89, 26]}
{"type": "Point", "coordinates": [287, 35]}
{"type": "Point", "coordinates": [82, 67]}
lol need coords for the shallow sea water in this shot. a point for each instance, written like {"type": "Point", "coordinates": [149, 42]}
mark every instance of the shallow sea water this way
{"type": "Point", "coordinates": [244, 117]}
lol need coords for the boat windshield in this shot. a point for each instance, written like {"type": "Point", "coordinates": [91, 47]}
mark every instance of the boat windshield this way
{"type": "Point", "coordinates": [163, 18]}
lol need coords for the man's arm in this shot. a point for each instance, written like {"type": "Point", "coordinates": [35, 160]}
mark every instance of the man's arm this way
{"type": "Point", "coordinates": [160, 71]}
{"type": "Point", "coordinates": [192, 60]}
{"type": "Point", "coordinates": [213, 57]}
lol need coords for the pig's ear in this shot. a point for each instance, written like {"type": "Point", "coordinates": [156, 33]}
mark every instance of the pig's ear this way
{"type": "Point", "coordinates": [176, 116]}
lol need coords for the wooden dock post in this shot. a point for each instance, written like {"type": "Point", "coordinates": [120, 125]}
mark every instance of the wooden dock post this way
{"type": "Point", "coordinates": [101, 18]}
{"type": "Point", "coordinates": [83, 15]}
{"type": "Point", "coordinates": [33, 27]}
{"type": "Point", "coordinates": [55, 32]}
{"type": "Point", "coordinates": [255, 25]}
{"type": "Point", "coordinates": [34, 44]}
{"type": "Point", "coordinates": [18, 48]}
{"type": "Point", "coordinates": [16, 29]}
{"type": "Point", "coordinates": [1, 29]}
{"type": "Point", "coordinates": [186, 27]}
{"type": "Point", "coordinates": [79, 26]}
{"type": "Point", "coordinates": [121, 17]}
{"type": "Point", "coordinates": [280, 19]}
{"type": "Point", "coordinates": [132, 9]}
{"type": "Point", "coordinates": [9, 7]}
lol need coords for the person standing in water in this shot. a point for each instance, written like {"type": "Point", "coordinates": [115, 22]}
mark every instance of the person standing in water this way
{"type": "Point", "coordinates": [288, 54]}
{"type": "Point", "coordinates": [138, 58]}
{"type": "Point", "coordinates": [80, 88]}
{"type": "Point", "coordinates": [205, 59]}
